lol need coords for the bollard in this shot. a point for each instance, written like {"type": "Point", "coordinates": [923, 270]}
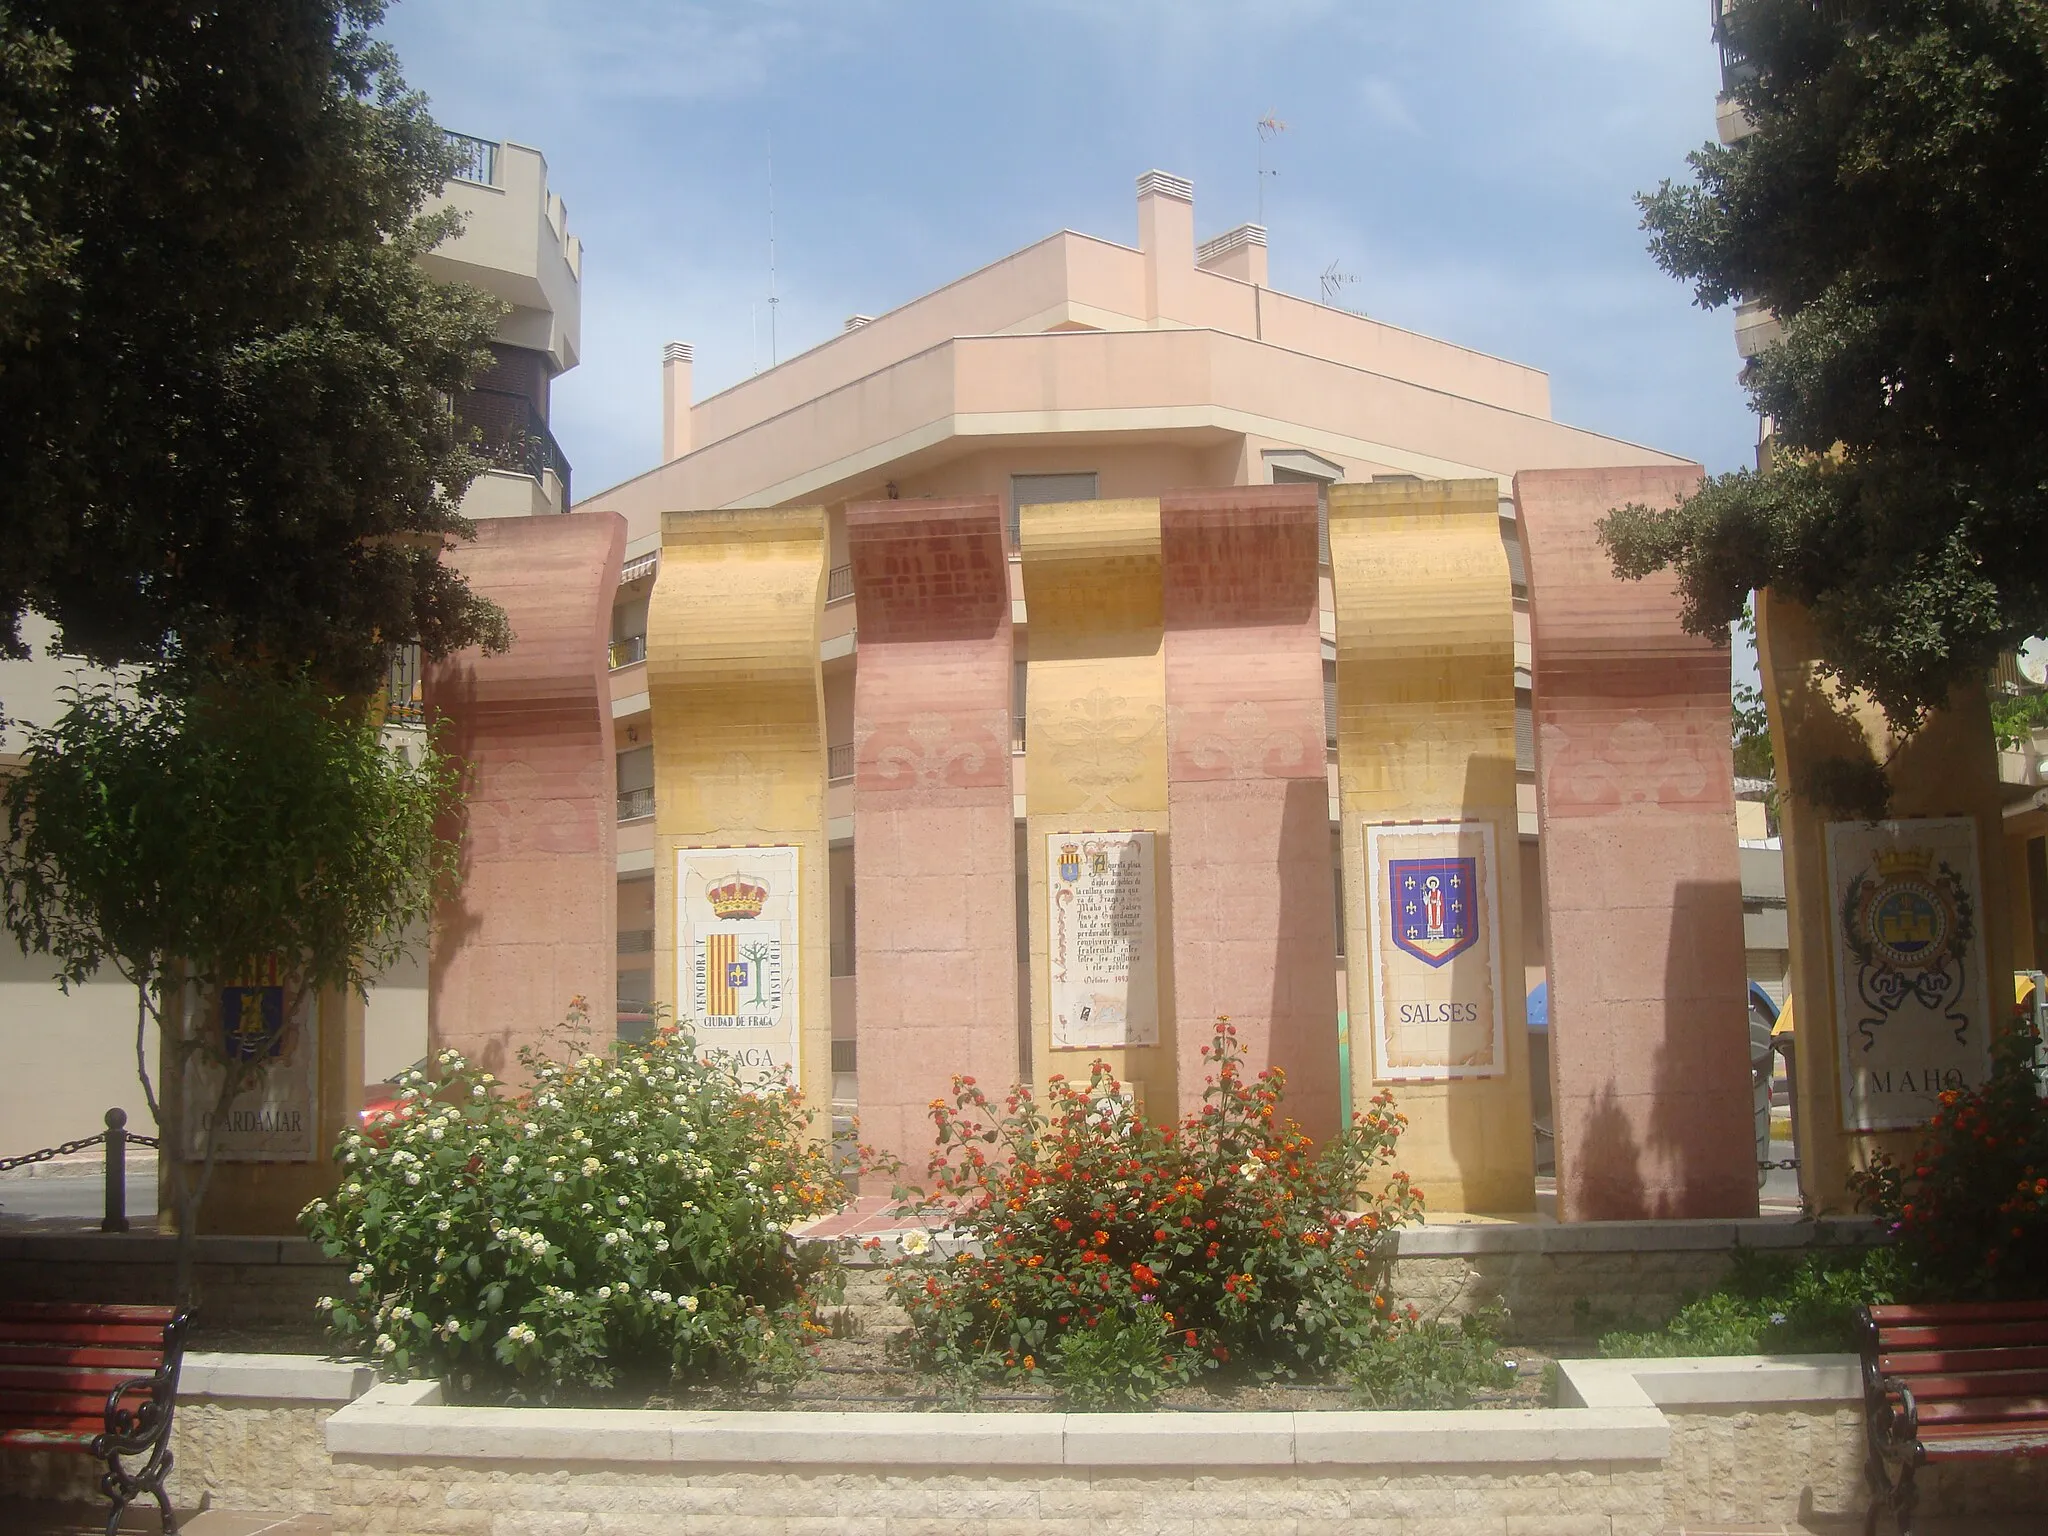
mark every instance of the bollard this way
{"type": "Point", "coordinates": [116, 1218]}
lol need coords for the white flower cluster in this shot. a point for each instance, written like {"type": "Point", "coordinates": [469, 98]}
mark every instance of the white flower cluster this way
{"type": "Point", "coordinates": [519, 1333]}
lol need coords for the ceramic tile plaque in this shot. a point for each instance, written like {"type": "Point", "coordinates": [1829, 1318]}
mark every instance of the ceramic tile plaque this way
{"type": "Point", "coordinates": [277, 1121]}
{"type": "Point", "coordinates": [1102, 949]}
{"type": "Point", "coordinates": [1435, 950]}
{"type": "Point", "coordinates": [1911, 1008]}
{"type": "Point", "coordinates": [738, 950]}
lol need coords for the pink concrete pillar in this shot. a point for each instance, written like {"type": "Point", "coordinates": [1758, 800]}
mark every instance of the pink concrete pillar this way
{"type": "Point", "coordinates": [935, 935]}
{"type": "Point", "coordinates": [535, 924]}
{"type": "Point", "coordinates": [1649, 1034]}
{"type": "Point", "coordinates": [1254, 901]}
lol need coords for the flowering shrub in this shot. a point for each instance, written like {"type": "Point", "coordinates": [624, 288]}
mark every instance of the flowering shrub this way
{"type": "Point", "coordinates": [1970, 1211]}
{"type": "Point", "coordinates": [628, 1211]}
{"type": "Point", "coordinates": [1118, 1258]}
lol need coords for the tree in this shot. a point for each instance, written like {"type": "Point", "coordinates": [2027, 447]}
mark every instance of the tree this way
{"type": "Point", "coordinates": [1891, 209]}
{"type": "Point", "coordinates": [224, 379]}
{"type": "Point", "coordinates": [194, 840]}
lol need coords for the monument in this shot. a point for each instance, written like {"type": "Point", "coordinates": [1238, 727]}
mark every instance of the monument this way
{"type": "Point", "coordinates": [1900, 935]}
{"type": "Point", "coordinates": [534, 925]}
{"type": "Point", "coordinates": [1096, 780]}
{"type": "Point", "coordinates": [1650, 1073]}
{"type": "Point", "coordinates": [276, 1149]}
{"type": "Point", "coordinates": [1254, 930]}
{"type": "Point", "coordinates": [1431, 850]}
{"type": "Point", "coordinates": [740, 950]}
{"type": "Point", "coordinates": [933, 812]}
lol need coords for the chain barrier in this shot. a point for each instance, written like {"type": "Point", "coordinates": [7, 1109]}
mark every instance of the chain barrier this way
{"type": "Point", "coordinates": [1789, 1164]}
{"type": "Point", "coordinates": [67, 1148]}
{"type": "Point", "coordinates": [48, 1153]}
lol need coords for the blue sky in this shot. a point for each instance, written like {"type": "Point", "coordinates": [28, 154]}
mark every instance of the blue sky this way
{"type": "Point", "coordinates": [1469, 162]}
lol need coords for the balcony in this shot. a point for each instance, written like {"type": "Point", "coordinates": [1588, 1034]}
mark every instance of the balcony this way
{"type": "Point", "coordinates": [1736, 69]}
{"type": "Point", "coordinates": [838, 583]}
{"type": "Point", "coordinates": [636, 941]}
{"type": "Point", "coordinates": [507, 432]}
{"type": "Point", "coordinates": [636, 804]}
{"type": "Point", "coordinates": [628, 652]}
{"type": "Point", "coordinates": [839, 762]}
{"type": "Point", "coordinates": [476, 160]}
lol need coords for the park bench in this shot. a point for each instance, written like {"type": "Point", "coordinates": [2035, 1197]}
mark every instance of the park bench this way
{"type": "Point", "coordinates": [98, 1381]}
{"type": "Point", "coordinates": [1952, 1382]}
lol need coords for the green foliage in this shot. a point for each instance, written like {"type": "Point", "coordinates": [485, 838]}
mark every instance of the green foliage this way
{"type": "Point", "coordinates": [1970, 1210]}
{"type": "Point", "coordinates": [256, 820]}
{"type": "Point", "coordinates": [1750, 726]}
{"type": "Point", "coordinates": [1253, 1250]}
{"type": "Point", "coordinates": [1432, 1365]}
{"type": "Point", "coordinates": [2015, 716]}
{"type": "Point", "coordinates": [627, 1211]}
{"type": "Point", "coordinates": [1771, 1304]}
{"type": "Point", "coordinates": [1122, 1361]}
{"type": "Point", "coordinates": [191, 840]}
{"type": "Point", "coordinates": [1888, 210]}
{"type": "Point", "coordinates": [223, 375]}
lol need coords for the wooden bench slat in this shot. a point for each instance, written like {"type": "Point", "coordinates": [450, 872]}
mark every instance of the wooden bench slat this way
{"type": "Point", "coordinates": [39, 1402]}
{"type": "Point", "coordinates": [1931, 1389]}
{"type": "Point", "coordinates": [27, 1331]}
{"type": "Point", "coordinates": [15, 1379]}
{"type": "Point", "coordinates": [1959, 1312]}
{"type": "Point", "coordinates": [88, 1312]}
{"type": "Point", "coordinates": [1933, 1362]}
{"type": "Point", "coordinates": [1961, 1336]}
{"type": "Point", "coordinates": [113, 1357]}
{"type": "Point", "coordinates": [2032, 1408]}
{"type": "Point", "coordinates": [37, 1437]}
{"type": "Point", "coordinates": [1975, 1442]}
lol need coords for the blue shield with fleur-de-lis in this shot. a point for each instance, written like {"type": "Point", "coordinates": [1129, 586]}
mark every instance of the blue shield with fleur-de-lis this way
{"type": "Point", "coordinates": [1434, 906]}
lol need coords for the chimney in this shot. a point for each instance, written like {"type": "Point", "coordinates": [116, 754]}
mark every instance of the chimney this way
{"type": "Point", "coordinates": [1238, 253]}
{"type": "Point", "coordinates": [1166, 234]}
{"type": "Point", "coordinates": [675, 400]}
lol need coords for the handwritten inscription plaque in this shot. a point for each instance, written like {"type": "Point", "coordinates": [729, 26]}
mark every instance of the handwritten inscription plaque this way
{"type": "Point", "coordinates": [1102, 933]}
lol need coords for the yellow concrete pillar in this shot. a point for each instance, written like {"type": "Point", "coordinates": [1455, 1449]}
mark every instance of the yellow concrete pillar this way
{"type": "Point", "coordinates": [736, 702]}
{"type": "Point", "coordinates": [1901, 935]}
{"type": "Point", "coordinates": [1095, 778]}
{"type": "Point", "coordinates": [1432, 857]}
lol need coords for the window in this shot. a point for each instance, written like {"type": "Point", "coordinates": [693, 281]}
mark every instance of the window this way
{"type": "Point", "coordinates": [1045, 490]}
{"type": "Point", "coordinates": [1284, 476]}
{"type": "Point", "coordinates": [1330, 705]}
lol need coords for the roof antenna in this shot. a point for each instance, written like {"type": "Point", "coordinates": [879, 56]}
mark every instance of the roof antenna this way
{"type": "Point", "coordinates": [1270, 127]}
{"type": "Point", "coordinates": [1335, 281]}
{"type": "Point", "coordinates": [774, 356]}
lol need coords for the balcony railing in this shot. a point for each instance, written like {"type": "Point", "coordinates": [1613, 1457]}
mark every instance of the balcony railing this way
{"type": "Point", "coordinates": [508, 432]}
{"type": "Point", "coordinates": [1735, 65]}
{"type": "Point", "coordinates": [404, 693]}
{"type": "Point", "coordinates": [635, 804]}
{"type": "Point", "coordinates": [475, 159]}
{"type": "Point", "coordinates": [636, 941]}
{"type": "Point", "coordinates": [838, 583]}
{"type": "Point", "coordinates": [1016, 733]}
{"type": "Point", "coordinates": [626, 652]}
{"type": "Point", "coordinates": [839, 762]}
